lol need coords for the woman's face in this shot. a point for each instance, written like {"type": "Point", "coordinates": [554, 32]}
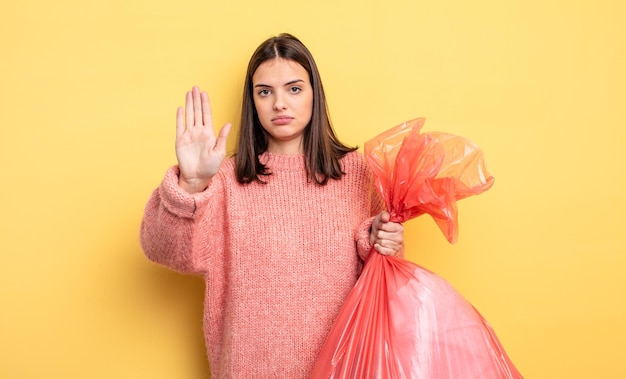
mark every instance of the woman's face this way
{"type": "Point", "coordinates": [283, 98]}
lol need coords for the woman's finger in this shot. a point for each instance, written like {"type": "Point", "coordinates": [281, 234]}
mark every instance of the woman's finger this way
{"type": "Point", "coordinates": [207, 117]}
{"type": "Point", "coordinates": [391, 238]}
{"type": "Point", "coordinates": [384, 217]}
{"type": "Point", "coordinates": [389, 243]}
{"type": "Point", "coordinates": [180, 122]}
{"type": "Point", "coordinates": [197, 106]}
{"type": "Point", "coordinates": [188, 110]}
{"type": "Point", "coordinates": [391, 227]}
{"type": "Point", "coordinates": [222, 138]}
{"type": "Point", "coordinates": [382, 248]}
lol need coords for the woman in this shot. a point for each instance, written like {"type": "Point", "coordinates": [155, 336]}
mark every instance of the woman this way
{"type": "Point", "coordinates": [280, 230]}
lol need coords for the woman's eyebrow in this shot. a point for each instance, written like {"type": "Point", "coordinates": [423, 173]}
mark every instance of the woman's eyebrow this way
{"type": "Point", "coordinates": [286, 84]}
{"type": "Point", "coordinates": [293, 82]}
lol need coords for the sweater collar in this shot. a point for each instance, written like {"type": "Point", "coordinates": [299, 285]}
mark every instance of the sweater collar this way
{"type": "Point", "coordinates": [282, 162]}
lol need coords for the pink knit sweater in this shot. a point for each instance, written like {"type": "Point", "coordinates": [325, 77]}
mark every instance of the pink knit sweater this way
{"type": "Point", "coordinates": [278, 259]}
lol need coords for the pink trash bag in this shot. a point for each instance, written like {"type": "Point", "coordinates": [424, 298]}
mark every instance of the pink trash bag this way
{"type": "Point", "coordinates": [401, 320]}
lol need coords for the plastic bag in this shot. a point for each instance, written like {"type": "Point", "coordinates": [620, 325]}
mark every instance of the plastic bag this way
{"type": "Point", "coordinates": [401, 320]}
{"type": "Point", "coordinates": [426, 173]}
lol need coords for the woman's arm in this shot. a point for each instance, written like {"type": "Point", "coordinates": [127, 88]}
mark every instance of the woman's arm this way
{"type": "Point", "coordinates": [173, 225]}
{"type": "Point", "coordinates": [378, 231]}
{"type": "Point", "coordinates": [173, 230]}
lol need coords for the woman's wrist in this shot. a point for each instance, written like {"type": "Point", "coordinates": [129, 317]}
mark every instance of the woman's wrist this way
{"type": "Point", "coordinates": [194, 185]}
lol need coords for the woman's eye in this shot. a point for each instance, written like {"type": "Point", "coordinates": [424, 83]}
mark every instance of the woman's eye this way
{"type": "Point", "coordinates": [295, 89]}
{"type": "Point", "coordinates": [264, 92]}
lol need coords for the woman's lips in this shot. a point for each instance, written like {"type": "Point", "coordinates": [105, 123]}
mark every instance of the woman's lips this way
{"type": "Point", "coordinates": [282, 120]}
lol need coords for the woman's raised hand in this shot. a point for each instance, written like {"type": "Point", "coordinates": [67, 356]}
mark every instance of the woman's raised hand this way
{"type": "Point", "coordinates": [199, 152]}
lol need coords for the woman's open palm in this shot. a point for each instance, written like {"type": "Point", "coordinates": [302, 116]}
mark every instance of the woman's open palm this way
{"type": "Point", "coordinates": [199, 152]}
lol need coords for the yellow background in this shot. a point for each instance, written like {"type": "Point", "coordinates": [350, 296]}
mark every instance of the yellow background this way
{"type": "Point", "coordinates": [88, 92]}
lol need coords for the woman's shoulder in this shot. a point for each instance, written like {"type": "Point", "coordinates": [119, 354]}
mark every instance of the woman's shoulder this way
{"type": "Point", "coordinates": [228, 163]}
{"type": "Point", "coordinates": [227, 169]}
{"type": "Point", "coordinates": [354, 165]}
{"type": "Point", "coordinates": [353, 160]}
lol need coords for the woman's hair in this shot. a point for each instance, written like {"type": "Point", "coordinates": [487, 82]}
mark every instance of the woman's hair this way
{"type": "Point", "coordinates": [322, 149]}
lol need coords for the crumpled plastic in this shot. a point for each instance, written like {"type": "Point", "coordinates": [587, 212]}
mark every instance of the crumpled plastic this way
{"type": "Point", "coordinates": [401, 320]}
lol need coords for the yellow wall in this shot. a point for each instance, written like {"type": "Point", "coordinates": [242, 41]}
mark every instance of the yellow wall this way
{"type": "Point", "coordinates": [88, 91]}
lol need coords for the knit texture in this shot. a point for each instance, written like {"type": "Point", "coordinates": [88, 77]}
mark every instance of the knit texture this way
{"type": "Point", "coordinates": [278, 259]}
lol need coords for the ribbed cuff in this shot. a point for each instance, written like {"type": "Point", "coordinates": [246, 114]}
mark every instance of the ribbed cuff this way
{"type": "Point", "coordinates": [178, 201]}
{"type": "Point", "coordinates": [363, 245]}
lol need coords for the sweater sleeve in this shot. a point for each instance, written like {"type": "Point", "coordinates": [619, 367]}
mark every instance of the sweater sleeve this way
{"type": "Point", "coordinates": [173, 226]}
{"type": "Point", "coordinates": [363, 245]}
{"type": "Point", "coordinates": [363, 235]}
{"type": "Point", "coordinates": [375, 204]}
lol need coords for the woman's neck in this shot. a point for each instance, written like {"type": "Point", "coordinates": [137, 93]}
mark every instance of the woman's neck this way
{"type": "Point", "coordinates": [285, 147]}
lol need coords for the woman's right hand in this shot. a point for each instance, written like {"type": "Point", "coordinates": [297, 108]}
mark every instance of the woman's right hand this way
{"type": "Point", "coordinates": [198, 151]}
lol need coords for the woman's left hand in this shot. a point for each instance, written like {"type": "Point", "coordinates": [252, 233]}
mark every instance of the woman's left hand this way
{"type": "Point", "coordinates": [386, 237]}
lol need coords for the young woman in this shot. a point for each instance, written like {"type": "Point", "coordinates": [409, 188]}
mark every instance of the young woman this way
{"type": "Point", "coordinates": [280, 230]}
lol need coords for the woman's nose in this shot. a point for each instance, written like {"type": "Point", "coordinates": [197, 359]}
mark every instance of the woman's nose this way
{"type": "Point", "coordinates": [279, 102]}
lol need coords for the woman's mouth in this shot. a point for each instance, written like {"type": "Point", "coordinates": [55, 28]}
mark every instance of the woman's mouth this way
{"type": "Point", "coordinates": [282, 120]}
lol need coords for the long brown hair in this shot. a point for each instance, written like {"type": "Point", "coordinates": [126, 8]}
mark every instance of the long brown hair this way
{"type": "Point", "coordinates": [322, 149]}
